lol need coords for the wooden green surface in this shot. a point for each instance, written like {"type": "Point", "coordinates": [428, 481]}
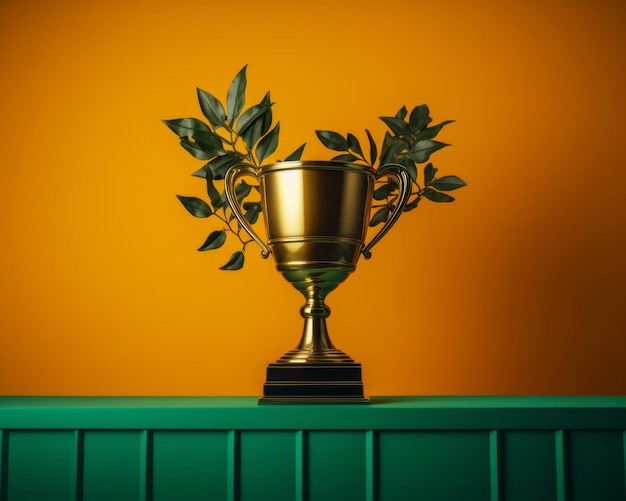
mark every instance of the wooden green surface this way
{"type": "Point", "coordinates": [230, 449]}
{"type": "Point", "coordinates": [244, 413]}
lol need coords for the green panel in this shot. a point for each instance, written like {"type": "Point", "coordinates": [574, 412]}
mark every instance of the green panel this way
{"type": "Point", "coordinates": [528, 466]}
{"type": "Point", "coordinates": [562, 466]}
{"type": "Point", "coordinates": [114, 465]}
{"type": "Point", "coordinates": [336, 465]}
{"type": "Point", "coordinates": [42, 465]}
{"type": "Point", "coordinates": [190, 465]}
{"type": "Point", "coordinates": [267, 462]}
{"type": "Point", "coordinates": [4, 463]}
{"type": "Point", "coordinates": [494, 464]}
{"type": "Point", "coordinates": [434, 466]}
{"type": "Point", "coordinates": [597, 466]}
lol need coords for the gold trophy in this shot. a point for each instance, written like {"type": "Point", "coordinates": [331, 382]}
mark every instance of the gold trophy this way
{"type": "Point", "coordinates": [316, 216]}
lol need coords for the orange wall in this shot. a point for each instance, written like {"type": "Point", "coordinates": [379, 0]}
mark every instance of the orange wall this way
{"type": "Point", "coordinates": [516, 288]}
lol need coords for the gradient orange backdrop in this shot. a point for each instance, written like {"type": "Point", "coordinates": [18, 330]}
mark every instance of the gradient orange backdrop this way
{"type": "Point", "coordinates": [518, 287]}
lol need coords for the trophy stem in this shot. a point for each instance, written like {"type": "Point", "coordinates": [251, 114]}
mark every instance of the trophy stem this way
{"type": "Point", "coordinates": [316, 371]}
{"type": "Point", "coordinates": [315, 346]}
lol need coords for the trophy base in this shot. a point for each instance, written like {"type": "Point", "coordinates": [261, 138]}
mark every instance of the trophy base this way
{"type": "Point", "coordinates": [310, 383]}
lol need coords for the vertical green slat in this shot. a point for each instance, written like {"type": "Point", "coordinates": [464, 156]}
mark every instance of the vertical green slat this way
{"type": "Point", "coordinates": [145, 465]}
{"type": "Point", "coordinates": [41, 465]}
{"type": "Point", "coordinates": [337, 465]}
{"type": "Point", "coordinates": [371, 465]}
{"type": "Point", "coordinates": [560, 446]}
{"type": "Point", "coordinates": [267, 462]}
{"type": "Point", "coordinates": [113, 465]}
{"type": "Point", "coordinates": [494, 464]}
{"type": "Point", "coordinates": [624, 458]}
{"type": "Point", "coordinates": [434, 465]}
{"type": "Point", "coordinates": [191, 465]}
{"type": "Point", "coordinates": [4, 463]}
{"type": "Point", "coordinates": [234, 465]}
{"type": "Point", "coordinates": [302, 466]}
{"type": "Point", "coordinates": [79, 455]}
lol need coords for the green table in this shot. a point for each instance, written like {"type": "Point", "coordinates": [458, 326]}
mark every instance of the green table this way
{"type": "Point", "coordinates": [230, 448]}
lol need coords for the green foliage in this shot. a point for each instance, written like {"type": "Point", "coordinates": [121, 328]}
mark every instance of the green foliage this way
{"type": "Point", "coordinates": [196, 206]}
{"type": "Point", "coordinates": [235, 262]}
{"type": "Point", "coordinates": [231, 135]}
{"type": "Point", "coordinates": [214, 241]}
{"type": "Point", "coordinates": [408, 142]}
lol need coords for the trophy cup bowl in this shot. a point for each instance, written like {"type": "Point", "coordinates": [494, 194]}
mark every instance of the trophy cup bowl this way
{"type": "Point", "coordinates": [316, 216]}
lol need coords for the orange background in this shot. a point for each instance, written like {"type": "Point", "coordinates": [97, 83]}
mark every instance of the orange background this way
{"type": "Point", "coordinates": [515, 288]}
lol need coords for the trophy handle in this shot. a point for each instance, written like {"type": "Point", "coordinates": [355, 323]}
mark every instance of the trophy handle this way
{"type": "Point", "coordinates": [232, 175]}
{"type": "Point", "coordinates": [404, 181]}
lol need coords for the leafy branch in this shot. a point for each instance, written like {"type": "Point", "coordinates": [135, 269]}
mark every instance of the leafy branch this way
{"type": "Point", "coordinates": [232, 134]}
{"type": "Point", "coordinates": [229, 136]}
{"type": "Point", "coordinates": [408, 142]}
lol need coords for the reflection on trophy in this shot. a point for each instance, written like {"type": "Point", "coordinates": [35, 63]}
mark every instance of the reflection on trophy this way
{"type": "Point", "coordinates": [316, 215]}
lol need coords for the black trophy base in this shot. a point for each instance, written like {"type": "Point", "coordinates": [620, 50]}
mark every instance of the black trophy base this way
{"type": "Point", "coordinates": [306, 383]}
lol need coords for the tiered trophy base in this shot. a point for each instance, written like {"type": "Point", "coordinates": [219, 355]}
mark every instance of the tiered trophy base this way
{"type": "Point", "coordinates": [313, 383]}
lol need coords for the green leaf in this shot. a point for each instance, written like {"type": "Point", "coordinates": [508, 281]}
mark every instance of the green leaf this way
{"type": "Point", "coordinates": [380, 216]}
{"type": "Point", "coordinates": [214, 241]}
{"type": "Point", "coordinates": [388, 139]}
{"type": "Point", "coordinates": [421, 151]}
{"type": "Point", "coordinates": [354, 145]}
{"type": "Point", "coordinates": [202, 150]}
{"type": "Point", "coordinates": [195, 206]}
{"type": "Point", "coordinates": [420, 118]}
{"type": "Point", "coordinates": [187, 127]}
{"type": "Point", "coordinates": [398, 126]}
{"type": "Point", "coordinates": [383, 192]}
{"type": "Point", "coordinates": [266, 121]}
{"type": "Point", "coordinates": [436, 196]}
{"type": "Point", "coordinates": [373, 148]}
{"type": "Point", "coordinates": [431, 132]}
{"type": "Point", "coordinates": [253, 209]}
{"type": "Point", "coordinates": [201, 172]}
{"type": "Point", "coordinates": [448, 183]}
{"type": "Point", "coordinates": [268, 144]}
{"type": "Point", "coordinates": [211, 108]}
{"type": "Point", "coordinates": [242, 190]}
{"type": "Point", "coordinates": [192, 128]}
{"type": "Point", "coordinates": [217, 199]}
{"type": "Point", "coordinates": [248, 117]}
{"type": "Point", "coordinates": [196, 137]}
{"type": "Point", "coordinates": [332, 140]}
{"type": "Point", "coordinates": [411, 205]}
{"type": "Point", "coordinates": [228, 212]}
{"type": "Point", "coordinates": [218, 166]}
{"type": "Point", "coordinates": [235, 99]}
{"type": "Point", "coordinates": [194, 150]}
{"type": "Point", "coordinates": [254, 132]}
{"type": "Point", "coordinates": [402, 113]}
{"type": "Point", "coordinates": [410, 166]}
{"type": "Point", "coordinates": [296, 155]}
{"type": "Point", "coordinates": [345, 157]}
{"type": "Point", "coordinates": [429, 173]}
{"type": "Point", "coordinates": [393, 151]}
{"type": "Point", "coordinates": [235, 262]}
